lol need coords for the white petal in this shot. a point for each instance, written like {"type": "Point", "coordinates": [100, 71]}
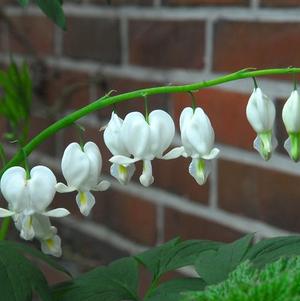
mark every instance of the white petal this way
{"type": "Point", "coordinates": [41, 187]}
{"type": "Point", "coordinates": [42, 226]}
{"type": "Point", "coordinates": [185, 117]}
{"type": "Point", "coordinates": [58, 212]}
{"type": "Point", "coordinates": [174, 153]}
{"type": "Point", "coordinates": [75, 165]}
{"type": "Point", "coordinates": [93, 153]}
{"type": "Point", "coordinates": [122, 173]}
{"type": "Point", "coordinates": [146, 177]}
{"type": "Point", "coordinates": [136, 135]}
{"type": "Point", "coordinates": [199, 169]}
{"type": "Point", "coordinates": [52, 246]}
{"type": "Point", "coordinates": [123, 160]}
{"type": "Point", "coordinates": [162, 131]}
{"type": "Point", "coordinates": [13, 188]}
{"type": "Point", "coordinates": [112, 136]}
{"type": "Point", "coordinates": [212, 155]}
{"type": "Point", "coordinates": [265, 149]}
{"type": "Point", "coordinates": [62, 188]}
{"type": "Point", "coordinates": [291, 113]}
{"type": "Point", "coordinates": [102, 186]}
{"type": "Point", "coordinates": [5, 212]}
{"type": "Point", "coordinates": [85, 202]}
{"type": "Point", "coordinates": [27, 231]}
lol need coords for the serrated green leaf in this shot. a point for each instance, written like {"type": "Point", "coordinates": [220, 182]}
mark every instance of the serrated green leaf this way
{"type": "Point", "coordinates": [23, 2]}
{"type": "Point", "coordinates": [173, 289]}
{"type": "Point", "coordinates": [116, 282]}
{"type": "Point", "coordinates": [19, 277]}
{"type": "Point", "coordinates": [174, 254]}
{"type": "Point", "coordinates": [214, 266]}
{"type": "Point", "coordinates": [53, 9]}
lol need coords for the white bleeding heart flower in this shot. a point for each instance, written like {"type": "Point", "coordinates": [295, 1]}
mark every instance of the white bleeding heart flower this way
{"type": "Point", "coordinates": [29, 196]}
{"type": "Point", "coordinates": [145, 140]}
{"type": "Point", "coordinates": [112, 138]}
{"type": "Point", "coordinates": [260, 113]}
{"type": "Point", "coordinates": [197, 137]}
{"type": "Point", "coordinates": [291, 119]}
{"type": "Point", "coordinates": [81, 168]}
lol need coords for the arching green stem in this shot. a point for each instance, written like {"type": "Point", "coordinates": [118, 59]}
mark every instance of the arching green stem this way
{"type": "Point", "coordinates": [111, 100]}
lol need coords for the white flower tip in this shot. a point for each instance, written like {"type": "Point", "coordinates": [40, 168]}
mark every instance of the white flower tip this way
{"type": "Point", "coordinates": [102, 186]}
{"type": "Point", "coordinates": [62, 188]}
{"type": "Point", "coordinates": [212, 155]}
{"type": "Point", "coordinates": [58, 212]}
{"type": "Point", "coordinates": [146, 181]}
{"type": "Point", "coordinates": [199, 169]}
{"type": "Point", "coordinates": [52, 246]}
{"type": "Point", "coordinates": [85, 202]}
{"type": "Point", "coordinates": [6, 213]}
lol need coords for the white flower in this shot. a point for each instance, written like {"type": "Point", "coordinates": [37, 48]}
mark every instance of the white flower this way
{"type": "Point", "coordinates": [27, 197]}
{"type": "Point", "coordinates": [82, 169]}
{"type": "Point", "coordinates": [112, 138]}
{"type": "Point", "coordinates": [260, 113]}
{"type": "Point", "coordinates": [291, 119]}
{"type": "Point", "coordinates": [197, 137]}
{"type": "Point", "coordinates": [145, 140]}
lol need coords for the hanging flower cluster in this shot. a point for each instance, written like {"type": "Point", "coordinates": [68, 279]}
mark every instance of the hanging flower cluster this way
{"type": "Point", "coordinates": [136, 138]}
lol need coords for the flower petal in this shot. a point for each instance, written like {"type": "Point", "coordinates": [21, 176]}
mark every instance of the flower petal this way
{"type": "Point", "coordinates": [41, 187]}
{"type": "Point", "coordinates": [199, 169]}
{"type": "Point", "coordinates": [102, 186]}
{"type": "Point", "coordinates": [146, 177]}
{"type": "Point", "coordinates": [123, 160]}
{"type": "Point", "coordinates": [52, 246]}
{"type": "Point", "coordinates": [290, 113]}
{"type": "Point", "coordinates": [123, 173]}
{"type": "Point", "coordinates": [58, 212]}
{"type": "Point", "coordinates": [85, 202]}
{"type": "Point", "coordinates": [62, 188]}
{"type": "Point", "coordinates": [212, 155]}
{"type": "Point", "coordinates": [5, 212]}
{"type": "Point", "coordinates": [27, 231]}
{"type": "Point", "coordinates": [174, 153]}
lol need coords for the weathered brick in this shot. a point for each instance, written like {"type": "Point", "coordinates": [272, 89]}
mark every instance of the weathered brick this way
{"type": "Point", "coordinates": [280, 3]}
{"type": "Point", "coordinates": [238, 45]}
{"type": "Point", "coordinates": [191, 227]}
{"type": "Point", "coordinates": [127, 214]}
{"type": "Point", "coordinates": [266, 195]}
{"type": "Point", "coordinates": [29, 36]}
{"type": "Point", "coordinates": [227, 113]}
{"type": "Point", "coordinates": [206, 2]}
{"type": "Point", "coordinates": [166, 44]}
{"type": "Point", "coordinates": [93, 38]}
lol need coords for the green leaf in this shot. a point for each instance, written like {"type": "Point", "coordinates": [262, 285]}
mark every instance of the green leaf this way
{"type": "Point", "coordinates": [53, 9]}
{"type": "Point", "coordinates": [117, 282]}
{"type": "Point", "coordinates": [269, 250]}
{"type": "Point", "coordinates": [215, 266]}
{"type": "Point", "coordinates": [19, 277]}
{"type": "Point", "coordinates": [26, 250]}
{"type": "Point", "coordinates": [173, 289]}
{"type": "Point", "coordinates": [173, 255]}
{"type": "Point", "coordinates": [23, 2]}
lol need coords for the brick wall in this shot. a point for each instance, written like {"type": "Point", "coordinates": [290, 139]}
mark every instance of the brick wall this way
{"type": "Point", "coordinates": [137, 44]}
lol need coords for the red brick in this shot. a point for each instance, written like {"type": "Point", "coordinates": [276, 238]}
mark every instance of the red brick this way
{"type": "Point", "coordinates": [205, 2]}
{"type": "Point", "coordinates": [238, 45]}
{"type": "Point", "coordinates": [191, 227]}
{"type": "Point", "coordinates": [269, 196]}
{"type": "Point", "coordinates": [127, 214]}
{"type": "Point", "coordinates": [166, 44]}
{"type": "Point", "coordinates": [227, 112]}
{"type": "Point", "coordinates": [64, 90]}
{"type": "Point", "coordinates": [36, 35]}
{"type": "Point", "coordinates": [93, 38]}
{"type": "Point", "coordinates": [280, 3]}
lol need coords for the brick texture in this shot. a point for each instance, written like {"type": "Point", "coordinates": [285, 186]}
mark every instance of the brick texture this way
{"type": "Point", "coordinates": [265, 195]}
{"type": "Point", "coordinates": [206, 2]}
{"type": "Point", "coordinates": [93, 38]}
{"type": "Point", "coordinates": [190, 227]}
{"type": "Point", "coordinates": [163, 44]}
{"type": "Point", "coordinates": [227, 113]}
{"type": "Point", "coordinates": [263, 50]}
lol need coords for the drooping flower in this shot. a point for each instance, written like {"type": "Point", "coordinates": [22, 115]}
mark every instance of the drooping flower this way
{"type": "Point", "coordinates": [113, 140]}
{"type": "Point", "coordinates": [29, 196]}
{"type": "Point", "coordinates": [197, 137]}
{"type": "Point", "coordinates": [260, 113]}
{"type": "Point", "coordinates": [81, 168]}
{"type": "Point", "coordinates": [145, 140]}
{"type": "Point", "coordinates": [291, 119]}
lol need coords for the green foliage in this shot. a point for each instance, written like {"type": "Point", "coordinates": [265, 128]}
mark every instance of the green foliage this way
{"type": "Point", "coordinates": [278, 281]}
{"type": "Point", "coordinates": [19, 277]}
{"type": "Point", "coordinates": [15, 100]}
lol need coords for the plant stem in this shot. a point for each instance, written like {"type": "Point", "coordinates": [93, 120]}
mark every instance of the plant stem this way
{"type": "Point", "coordinates": [4, 227]}
{"type": "Point", "coordinates": [111, 100]}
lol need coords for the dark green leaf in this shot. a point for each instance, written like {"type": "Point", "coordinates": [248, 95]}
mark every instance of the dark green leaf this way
{"type": "Point", "coordinates": [173, 289]}
{"type": "Point", "coordinates": [23, 2]}
{"type": "Point", "coordinates": [214, 266]}
{"type": "Point", "coordinates": [19, 277]}
{"type": "Point", "coordinates": [117, 282]}
{"type": "Point", "coordinates": [173, 255]}
{"type": "Point", "coordinates": [53, 9]}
